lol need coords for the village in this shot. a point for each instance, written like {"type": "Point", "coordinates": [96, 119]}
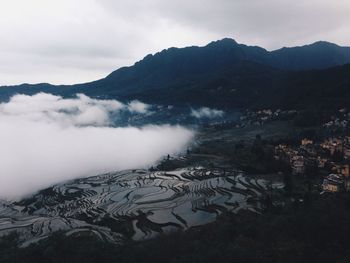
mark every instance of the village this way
{"type": "Point", "coordinates": [329, 159]}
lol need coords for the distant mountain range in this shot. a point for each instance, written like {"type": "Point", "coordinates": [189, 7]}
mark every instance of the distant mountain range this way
{"type": "Point", "coordinates": [224, 74]}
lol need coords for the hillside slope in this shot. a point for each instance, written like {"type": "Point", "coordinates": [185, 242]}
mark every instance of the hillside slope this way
{"type": "Point", "coordinates": [223, 74]}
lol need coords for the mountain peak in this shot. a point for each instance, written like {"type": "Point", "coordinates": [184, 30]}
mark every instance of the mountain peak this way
{"type": "Point", "coordinates": [324, 44]}
{"type": "Point", "coordinates": [225, 42]}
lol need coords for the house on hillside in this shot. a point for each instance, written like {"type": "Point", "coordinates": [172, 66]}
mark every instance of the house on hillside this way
{"type": "Point", "coordinates": [298, 165]}
{"type": "Point", "coordinates": [347, 153]}
{"type": "Point", "coordinates": [333, 183]}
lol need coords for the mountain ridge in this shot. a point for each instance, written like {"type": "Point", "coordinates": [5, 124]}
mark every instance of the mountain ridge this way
{"type": "Point", "coordinates": [223, 74]}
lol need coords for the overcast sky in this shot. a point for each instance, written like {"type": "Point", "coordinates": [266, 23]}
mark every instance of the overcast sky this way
{"type": "Point", "coordinates": [73, 41]}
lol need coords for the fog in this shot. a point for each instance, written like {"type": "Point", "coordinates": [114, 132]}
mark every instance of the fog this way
{"type": "Point", "coordinates": [139, 107]}
{"type": "Point", "coordinates": [46, 139]}
{"type": "Point", "coordinates": [206, 112]}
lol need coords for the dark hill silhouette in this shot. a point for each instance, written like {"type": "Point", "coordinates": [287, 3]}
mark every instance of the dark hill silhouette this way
{"type": "Point", "coordinates": [223, 74]}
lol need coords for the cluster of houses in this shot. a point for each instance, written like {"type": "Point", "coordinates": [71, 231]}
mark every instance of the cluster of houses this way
{"type": "Point", "coordinates": [330, 158]}
{"type": "Point", "coordinates": [259, 118]}
{"type": "Point", "coordinates": [335, 183]}
{"type": "Point", "coordinates": [339, 122]}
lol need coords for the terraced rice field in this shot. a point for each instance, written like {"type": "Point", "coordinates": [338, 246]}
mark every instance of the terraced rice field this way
{"type": "Point", "coordinates": [135, 204]}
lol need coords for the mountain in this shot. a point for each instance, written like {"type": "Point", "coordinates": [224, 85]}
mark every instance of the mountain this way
{"type": "Point", "coordinates": [154, 71]}
{"type": "Point", "coordinates": [223, 74]}
{"type": "Point", "coordinates": [252, 85]}
{"type": "Point", "coordinates": [319, 55]}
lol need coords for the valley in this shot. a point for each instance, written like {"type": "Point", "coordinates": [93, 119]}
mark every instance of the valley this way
{"type": "Point", "coordinates": [248, 146]}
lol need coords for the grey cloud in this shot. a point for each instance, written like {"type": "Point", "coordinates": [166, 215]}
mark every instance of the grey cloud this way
{"type": "Point", "coordinates": [270, 23]}
{"type": "Point", "coordinates": [55, 41]}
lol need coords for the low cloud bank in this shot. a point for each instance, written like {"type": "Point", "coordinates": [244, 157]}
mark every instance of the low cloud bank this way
{"type": "Point", "coordinates": [206, 112]}
{"type": "Point", "coordinates": [45, 139]}
{"type": "Point", "coordinates": [79, 111]}
{"type": "Point", "coordinates": [136, 106]}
